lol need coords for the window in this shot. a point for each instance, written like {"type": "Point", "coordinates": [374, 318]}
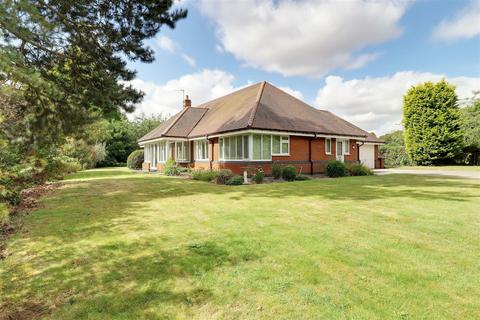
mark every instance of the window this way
{"type": "Point", "coordinates": [262, 147]}
{"type": "Point", "coordinates": [234, 148]}
{"type": "Point", "coordinates": [328, 146]}
{"type": "Point", "coordinates": [162, 151]}
{"type": "Point", "coordinates": [201, 150]}
{"type": "Point", "coordinates": [181, 151]}
{"type": "Point", "coordinates": [280, 145]}
{"type": "Point", "coordinates": [346, 146]}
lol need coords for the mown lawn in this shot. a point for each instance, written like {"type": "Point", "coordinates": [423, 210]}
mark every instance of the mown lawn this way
{"type": "Point", "coordinates": [448, 168]}
{"type": "Point", "coordinates": [118, 245]}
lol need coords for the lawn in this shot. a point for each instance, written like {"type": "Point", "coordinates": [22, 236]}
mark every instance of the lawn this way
{"type": "Point", "coordinates": [449, 168]}
{"type": "Point", "coordinates": [112, 244]}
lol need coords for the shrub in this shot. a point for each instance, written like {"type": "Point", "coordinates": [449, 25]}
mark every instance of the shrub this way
{"type": "Point", "coordinates": [258, 176]}
{"type": "Point", "coordinates": [302, 177]}
{"type": "Point", "coordinates": [223, 176]}
{"type": "Point", "coordinates": [235, 181]}
{"type": "Point", "coordinates": [276, 170]}
{"type": "Point", "coordinates": [336, 169]}
{"type": "Point", "coordinates": [359, 169]}
{"type": "Point", "coordinates": [3, 213]}
{"type": "Point", "coordinates": [58, 167]}
{"type": "Point", "coordinates": [289, 173]}
{"type": "Point", "coordinates": [135, 160]}
{"type": "Point", "coordinates": [171, 168]}
{"type": "Point", "coordinates": [204, 175]}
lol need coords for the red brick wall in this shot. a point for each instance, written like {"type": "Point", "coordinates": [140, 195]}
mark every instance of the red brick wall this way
{"type": "Point", "coordinates": [299, 148]}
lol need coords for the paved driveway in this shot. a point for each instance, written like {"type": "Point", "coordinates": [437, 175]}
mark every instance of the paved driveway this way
{"type": "Point", "coordinates": [453, 173]}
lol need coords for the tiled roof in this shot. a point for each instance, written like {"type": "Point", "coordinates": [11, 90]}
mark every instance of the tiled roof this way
{"type": "Point", "coordinates": [259, 106]}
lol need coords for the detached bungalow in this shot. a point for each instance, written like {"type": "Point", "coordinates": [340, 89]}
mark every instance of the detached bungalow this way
{"type": "Point", "coordinates": [255, 127]}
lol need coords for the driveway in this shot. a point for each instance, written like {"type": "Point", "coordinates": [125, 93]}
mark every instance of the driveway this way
{"type": "Point", "coordinates": [436, 172]}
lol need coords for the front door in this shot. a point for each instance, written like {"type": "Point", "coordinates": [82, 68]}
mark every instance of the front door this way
{"type": "Point", "coordinates": [340, 150]}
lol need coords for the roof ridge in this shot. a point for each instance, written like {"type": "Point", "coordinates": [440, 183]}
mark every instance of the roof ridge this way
{"type": "Point", "coordinates": [257, 103]}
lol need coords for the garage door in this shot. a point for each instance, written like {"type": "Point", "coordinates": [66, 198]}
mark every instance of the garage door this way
{"type": "Point", "coordinates": [367, 155]}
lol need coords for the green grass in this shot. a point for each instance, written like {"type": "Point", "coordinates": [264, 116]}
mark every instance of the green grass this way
{"type": "Point", "coordinates": [118, 245]}
{"type": "Point", "coordinates": [453, 168]}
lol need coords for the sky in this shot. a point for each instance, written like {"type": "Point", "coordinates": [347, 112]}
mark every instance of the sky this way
{"type": "Point", "coordinates": [354, 58]}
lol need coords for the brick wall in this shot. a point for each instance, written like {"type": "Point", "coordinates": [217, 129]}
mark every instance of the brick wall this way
{"type": "Point", "coordinates": [299, 157]}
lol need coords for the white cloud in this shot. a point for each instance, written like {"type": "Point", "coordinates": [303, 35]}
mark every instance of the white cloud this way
{"type": "Point", "coordinates": [167, 99]}
{"type": "Point", "coordinates": [375, 104]}
{"type": "Point", "coordinates": [303, 37]}
{"type": "Point", "coordinates": [465, 24]}
{"type": "Point", "coordinates": [167, 44]}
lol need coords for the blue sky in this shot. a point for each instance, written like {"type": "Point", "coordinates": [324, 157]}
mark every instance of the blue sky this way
{"type": "Point", "coordinates": [353, 58]}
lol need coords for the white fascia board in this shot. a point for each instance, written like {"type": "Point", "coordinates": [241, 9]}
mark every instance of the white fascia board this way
{"type": "Point", "coordinates": [161, 139]}
{"type": "Point", "coordinates": [286, 133]}
{"type": "Point", "coordinates": [280, 133]}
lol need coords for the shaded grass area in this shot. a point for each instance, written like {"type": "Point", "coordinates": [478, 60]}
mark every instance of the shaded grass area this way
{"type": "Point", "coordinates": [119, 245]}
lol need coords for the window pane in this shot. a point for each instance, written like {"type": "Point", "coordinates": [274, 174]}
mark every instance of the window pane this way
{"type": "Point", "coordinates": [221, 149]}
{"type": "Point", "coordinates": [329, 145]}
{"type": "Point", "coordinates": [227, 148]}
{"type": "Point", "coordinates": [285, 148]}
{"type": "Point", "coordinates": [245, 147]}
{"type": "Point", "coordinates": [257, 146]}
{"type": "Point", "coordinates": [266, 150]}
{"type": "Point", "coordinates": [239, 147]}
{"type": "Point", "coordinates": [346, 145]}
{"type": "Point", "coordinates": [275, 144]}
{"type": "Point", "coordinates": [233, 148]}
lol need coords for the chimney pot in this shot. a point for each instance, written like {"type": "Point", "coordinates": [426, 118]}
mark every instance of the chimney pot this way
{"type": "Point", "coordinates": [187, 103]}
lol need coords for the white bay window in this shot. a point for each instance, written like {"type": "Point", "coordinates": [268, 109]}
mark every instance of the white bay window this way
{"type": "Point", "coordinates": [201, 150]}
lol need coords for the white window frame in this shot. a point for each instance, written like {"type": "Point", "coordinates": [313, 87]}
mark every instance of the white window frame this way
{"type": "Point", "coordinates": [346, 147]}
{"type": "Point", "coordinates": [198, 145]}
{"type": "Point", "coordinates": [233, 138]}
{"type": "Point", "coordinates": [261, 147]}
{"type": "Point", "coordinates": [185, 146]}
{"type": "Point", "coordinates": [282, 142]}
{"type": "Point", "coordinates": [330, 144]}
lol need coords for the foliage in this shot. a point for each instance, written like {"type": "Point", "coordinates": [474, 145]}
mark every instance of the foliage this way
{"type": "Point", "coordinates": [276, 170]}
{"type": "Point", "coordinates": [171, 168]}
{"type": "Point", "coordinates": [358, 169]}
{"type": "Point", "coordinates": [336, 169]}
{"type": "Point", "coordinates": [60, 166]}
{"type": "Point", "coordinates": [4, 213]}
{"type": "Point", "coordinates": [87, 154]}
{"type": "Point", "coordinates": [204, 175]}
{"type": "Point", "coordinates": [234, 181]}
{"type": "Point", "coordinates": [470, 123]}
{"type": "Point", "coordinates": [302, 177]}
{"type": "Point", "coordinates": [135, 160]}
{"type": "Point", "coordinates": [431, 121]}
{"type": "Point", "coordinates": [289, 173]}
{"type": "Point", "coordinates": [223, 176]}
{"type": "Point", "coordinates": [394, 150]}
{"type": "Point", "coordinates": [68, 58]}
{"type": "Point", "coordinates": [258, 176]}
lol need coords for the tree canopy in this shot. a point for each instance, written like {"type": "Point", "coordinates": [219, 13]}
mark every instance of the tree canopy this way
{"type": "Point", "coordinates": [432, 124]}
{"type": "Point", "coordinates": [67, 59]}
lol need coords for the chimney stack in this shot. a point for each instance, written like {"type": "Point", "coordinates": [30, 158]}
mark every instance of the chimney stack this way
{"type": "Point", "coordinates": [187, 103]}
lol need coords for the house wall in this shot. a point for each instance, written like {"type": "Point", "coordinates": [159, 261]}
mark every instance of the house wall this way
{"type": "Point", "coordinates": [299, 149]}
{"type": "Point", "coordinates": [299, 157]}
